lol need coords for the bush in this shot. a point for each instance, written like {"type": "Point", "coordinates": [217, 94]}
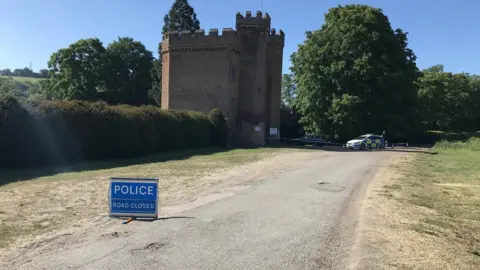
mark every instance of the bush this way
{"type": "Point", "coordinates": [219, 128]}
{"type": "Point", "coordinates": [61, 132]}
{"type": "Point", "coordinates": [472, 144]}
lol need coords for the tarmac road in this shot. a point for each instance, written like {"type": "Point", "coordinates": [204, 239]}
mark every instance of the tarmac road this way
{"type": "Point", "coordinates": [284, 222]}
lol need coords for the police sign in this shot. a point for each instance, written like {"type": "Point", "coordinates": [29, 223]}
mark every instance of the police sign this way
{"type": "Point", "coordinates": [133, 197]}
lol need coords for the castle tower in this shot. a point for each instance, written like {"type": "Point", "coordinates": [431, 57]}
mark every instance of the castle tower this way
{"type": "Point", "coordinates": [253, 114]}
{"type": "Point", "coordinates": [274, 70]}
{"type": "Point", "coordinates": [201, 71]}
{"type": "Point", "coordinates": [238, 72]}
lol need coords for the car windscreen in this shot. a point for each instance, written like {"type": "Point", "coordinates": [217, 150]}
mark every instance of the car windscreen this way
{"type": "Point", "coordinates": [360, 137]}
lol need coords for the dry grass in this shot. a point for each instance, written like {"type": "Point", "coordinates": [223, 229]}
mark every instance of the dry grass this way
{"type": "Point", "coordinates": [50, 203]}
{"type": "Point", "coordinates": [428, 213]}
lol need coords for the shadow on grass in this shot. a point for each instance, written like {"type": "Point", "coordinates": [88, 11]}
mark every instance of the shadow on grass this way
{"type": "Point", "coordinates": [14, 175]}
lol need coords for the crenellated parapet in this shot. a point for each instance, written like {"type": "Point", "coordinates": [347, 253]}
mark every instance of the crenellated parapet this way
{"type": "Point", "coordinates": [201, 34]}
{"type": "Point", "coordinates": [248, 21]}
{"type": "Point", "coordinates": [276, 37]}
{"type": "Point", "coordinates": [201, 40]}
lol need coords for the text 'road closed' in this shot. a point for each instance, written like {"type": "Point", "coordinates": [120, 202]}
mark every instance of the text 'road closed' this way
{"type": "Point", "coordinates": [134, 205]}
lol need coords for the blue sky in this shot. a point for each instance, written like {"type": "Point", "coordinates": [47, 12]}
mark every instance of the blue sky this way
{"type": "Point", "coordinates": [440, 32]}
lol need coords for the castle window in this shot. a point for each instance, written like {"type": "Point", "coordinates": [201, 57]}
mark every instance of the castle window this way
{"type": "Point", "coordinates": [234, 74]}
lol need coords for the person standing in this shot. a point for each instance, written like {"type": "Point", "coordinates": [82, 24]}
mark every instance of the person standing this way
{"type": "Point", "coordinates": [384, 137]}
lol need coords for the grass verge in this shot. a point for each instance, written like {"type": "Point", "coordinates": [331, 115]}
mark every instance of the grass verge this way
{"type": "Point", "coordinates": [49, 202]}
{"type": "Point", "coordinates": [437, 198]}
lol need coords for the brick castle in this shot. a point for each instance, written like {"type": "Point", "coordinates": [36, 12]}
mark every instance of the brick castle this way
{"type": "Point", "coordinates": [238, 71]}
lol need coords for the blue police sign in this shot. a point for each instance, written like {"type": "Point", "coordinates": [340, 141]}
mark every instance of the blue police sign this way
{"type": "Point", "coordinates": [133, 197]}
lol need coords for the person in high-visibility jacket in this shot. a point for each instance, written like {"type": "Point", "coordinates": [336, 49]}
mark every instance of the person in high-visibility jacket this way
{"type": "Point", "coordinates": [373, 143]}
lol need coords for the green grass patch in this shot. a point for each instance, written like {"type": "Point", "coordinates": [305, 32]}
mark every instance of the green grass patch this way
{"type": "Point", "coordinates": [23, 79]}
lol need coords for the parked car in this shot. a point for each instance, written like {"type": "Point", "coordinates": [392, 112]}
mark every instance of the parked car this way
{"type": "Point", "coordinates": [367, 141]}
{"type": "Point", "coordinates": [310, 139]}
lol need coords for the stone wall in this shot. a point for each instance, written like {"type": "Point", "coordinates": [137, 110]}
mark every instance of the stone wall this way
{"type": "Point", "coordinates": [200, 72]}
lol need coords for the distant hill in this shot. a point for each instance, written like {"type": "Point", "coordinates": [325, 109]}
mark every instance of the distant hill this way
{"type": "Point", "coordinates": [23, 79]}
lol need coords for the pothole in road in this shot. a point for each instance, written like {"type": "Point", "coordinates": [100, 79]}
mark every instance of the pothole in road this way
{"type": "Point", "coordinates": [149, 247]}
{"type": "Point", "coordinates": [327, 186]}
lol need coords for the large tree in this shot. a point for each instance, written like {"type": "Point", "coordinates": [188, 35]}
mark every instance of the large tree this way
{"type": "Point", "coordinates": [449, 102]}
{"type": "Point", "coordinates": [129, 67]}
{"type": "Point", "coordinates": [181, 17]}
{"type": "Point", "coordinates": [79, 71]}
{"type": "Point", "coordinates": [290, 127]}
{"type": "Point", "coordinates": [43, 73]}
{"type": "Point", "coordinates": [288, 90]}
{"type": "Point", "coordinates": [155, 92]}
{"type": "Point", "coordinates": [356, 75]}
{"type": "Point", "coordinates": [6, 72]}
{"type": "Point", "coordinates": [475, 88]}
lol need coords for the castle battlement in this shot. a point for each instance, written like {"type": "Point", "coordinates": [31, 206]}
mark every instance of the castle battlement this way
{"type": "Point", "coordinates": [248, 15]}
{"type": "Point", "coordinates": [226, 32]}
{"type": "Point", "coordinates": [277, 37]}
{"type": "Point", "coordinates": [200, 39]}
{"type": "Point", "coordinates": [249, 21]}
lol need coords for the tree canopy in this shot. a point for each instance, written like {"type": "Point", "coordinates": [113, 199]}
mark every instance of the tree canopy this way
{"type": "Point", "coordinates": [181, 17]}
{"type": "Point", "coordinates": [449, 101]}
{"type": "Point", "coordinates": [288, 90]}
{"type": "Point", "coordinates": [129, 67]}
{"type": "Point", "coordinates": [156, 73]}
{"type": "Point", "coordinates": [86, 70]}
{"type": "Point", "coordinates": [78, 72]}
{"type": "Point", "coordinates": [356, 75]}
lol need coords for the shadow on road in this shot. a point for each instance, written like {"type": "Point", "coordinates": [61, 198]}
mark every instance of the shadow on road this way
{"type": "Point", "coordinates": [412, 149]}
{"type": "Point", "coordinates": [15, 175]}
{"type": "Point", "coordinates": [175, 217]}
{"type": "Point", "coordinates": [155, 219]}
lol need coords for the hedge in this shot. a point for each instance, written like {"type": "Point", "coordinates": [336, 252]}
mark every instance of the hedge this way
{"type": "Point", "coordinates": [61, 132]}
{"type": "Point", "coordinates": [219, 126]}
{"type": "Point", "coordinates": [431, 137]}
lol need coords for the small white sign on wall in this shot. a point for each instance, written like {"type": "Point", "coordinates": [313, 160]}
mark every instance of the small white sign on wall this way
{"type": "Point", "coordinates": [258, 128]}
{"type": "Point", "coordinates": [273, 131]}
